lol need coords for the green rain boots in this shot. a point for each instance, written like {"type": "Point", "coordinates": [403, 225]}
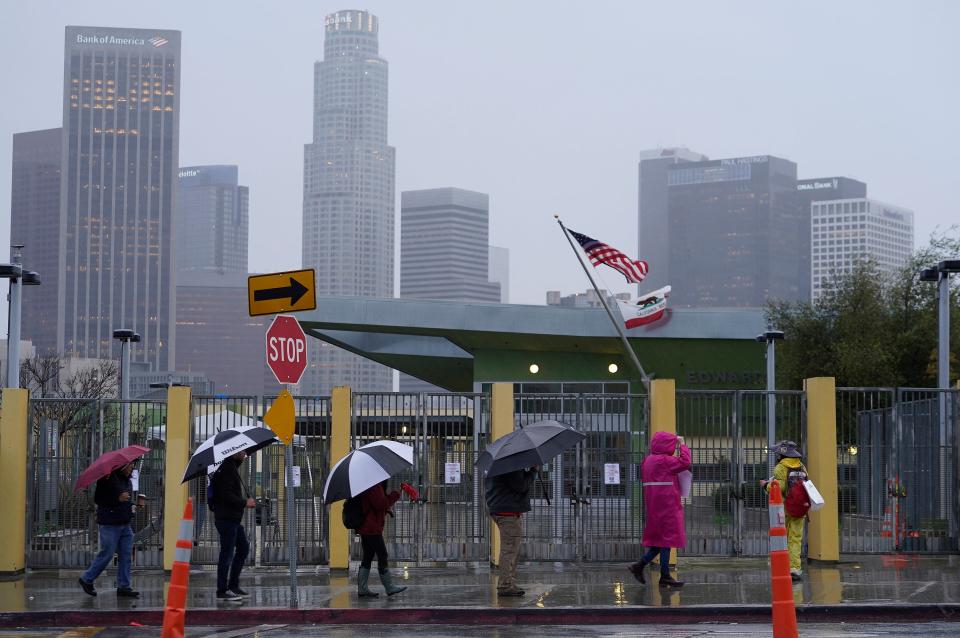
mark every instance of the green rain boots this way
{"type": "Point", "coordinates": [388, 585]}
{"type": "Point", "coordinates": [363, 584]}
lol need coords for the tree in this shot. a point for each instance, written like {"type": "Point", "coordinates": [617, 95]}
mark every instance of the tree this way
{"type": "Point", "coordinates": [77, 393]}
{"type": "Point", "coordinates": [869, 329]}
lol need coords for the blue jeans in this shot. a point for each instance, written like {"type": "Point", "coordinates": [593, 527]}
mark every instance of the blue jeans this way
{"type": "Point", "coordinates": [664, 558]}
{"type": "Point", "coordinates": [114, 539]}
{"type": "Point", "coordinates": [234, 548]}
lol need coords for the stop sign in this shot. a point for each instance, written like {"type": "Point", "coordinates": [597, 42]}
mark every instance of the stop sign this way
{"type": "Point", "coordinates": [286, 349]}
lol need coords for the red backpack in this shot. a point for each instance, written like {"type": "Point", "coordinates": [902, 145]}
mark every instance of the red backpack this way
{"type": "Point", "coordinates": [796, 503]}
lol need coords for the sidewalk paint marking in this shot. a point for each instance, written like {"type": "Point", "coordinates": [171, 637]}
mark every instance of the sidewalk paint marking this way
{"type": "Point", "coordinates": [81, 632]}
{"type": "Point", "coordinates": [927, 586]}
{"type": "Point", "coordinates": [246, 631]}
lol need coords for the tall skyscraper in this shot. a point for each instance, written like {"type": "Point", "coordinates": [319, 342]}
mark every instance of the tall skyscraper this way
{"type": "Point", "coordinates": [348, 190]}
{"type": "Point", "coordinates": [734, 225]}
{"type": "Point", "coordinates": [34, 218]}
{"type": "Point", "coordinates": [444, 246]}
{"type": "Point", "coordinates": [121, 114]}
{"type": "Point", "coordinates": [845, 232]}
{"type": "Point", "coordinates": [444, 251]}
{"type": "Point", "coordinates": [815, 190]}
{"type": "Point", "coordinates": [212, 220]}
{"type": "Point", "coordinates": [653, 221]}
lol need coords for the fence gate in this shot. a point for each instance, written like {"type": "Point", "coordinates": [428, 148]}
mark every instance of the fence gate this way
{"type": "Point", "coordinates": [66, 435]}
{"type": "Point", "coordinates": [447, 432]}
{"type": "Point", "coordinates": [727, 433]}
{"type": "Point", "coordinates": [595, 504]}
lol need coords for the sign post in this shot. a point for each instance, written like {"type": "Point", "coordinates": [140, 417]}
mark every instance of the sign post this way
{"type": "Point", "coordinates": [286, 349]}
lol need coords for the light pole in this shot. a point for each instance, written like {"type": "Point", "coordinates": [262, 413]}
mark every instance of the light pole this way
{"type": "Point", "coordinates": [125, 336]}
{"type": "Point", "coordinates": [18, 278]}
{"type": "Point", "coordinates": [770, 337]}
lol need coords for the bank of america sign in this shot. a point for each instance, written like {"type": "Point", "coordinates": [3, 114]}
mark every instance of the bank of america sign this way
{"type": "Point", "coordinates": [157, 41]}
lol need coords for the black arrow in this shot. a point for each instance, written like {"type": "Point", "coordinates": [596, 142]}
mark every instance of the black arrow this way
{"type": "Point", "coordinates": [293, 292]}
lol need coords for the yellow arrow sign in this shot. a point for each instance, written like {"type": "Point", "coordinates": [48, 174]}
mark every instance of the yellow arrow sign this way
{"type": "Point", "coordinates": [289, 291]}
{"type": "Point", "coordinates": [280, 417]}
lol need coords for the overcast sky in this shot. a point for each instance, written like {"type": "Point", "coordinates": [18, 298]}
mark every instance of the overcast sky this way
{"type": "Point", "coordinates": [543, 105]}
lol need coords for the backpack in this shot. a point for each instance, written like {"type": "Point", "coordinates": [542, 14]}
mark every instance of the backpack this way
{"type": "Point", "coordinates": [797, 502]}
{"type": "Point", "coordinates": [210, 494]}
{"type": "Point", "coordinates": [353, 514]}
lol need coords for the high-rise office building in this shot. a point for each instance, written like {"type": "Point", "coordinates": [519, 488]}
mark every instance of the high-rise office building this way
{"type": "Point", "coordinates": [121, 113]}
{"type": "Point", "coordinates": [444, 246]}
{"type": "Point", "coordinates": [212, 220]}
{"type": "Point", "coordinates": [500, 270]}
{"type": "Point", "coordinates": [653, 218]}
{"type": "Point", "coordinates": [34, 218]}
{"type": "Point", "coordinates": [348, 190]}
{"type": "Point", "coordinates": [586, 299]}
{"type": "Point", "coordinates": [444, 251]}
{"type": "Point", "coordinates": [733, 233]}
{"type": "Point", "coordinates": [845, 232]}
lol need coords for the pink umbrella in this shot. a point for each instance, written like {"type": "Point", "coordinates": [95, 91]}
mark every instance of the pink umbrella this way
{"type": "Point", "coordinates": [108, 462]}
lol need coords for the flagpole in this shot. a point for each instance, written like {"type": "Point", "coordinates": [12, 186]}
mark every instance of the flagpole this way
{"type": "Point", "coordinates": [603, 300]}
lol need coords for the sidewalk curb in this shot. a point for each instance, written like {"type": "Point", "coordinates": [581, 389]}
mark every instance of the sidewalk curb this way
{"type": "Point", "coordinates": [620, 615]}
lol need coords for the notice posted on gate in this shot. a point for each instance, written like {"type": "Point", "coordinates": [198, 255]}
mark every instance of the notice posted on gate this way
{"type": "Point", "coordinates": [611, 473]}
{"type": "Point", "coordinates": [451, 473]}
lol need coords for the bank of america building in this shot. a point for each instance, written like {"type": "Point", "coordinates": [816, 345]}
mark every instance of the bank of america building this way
{"type": "Point", "coordinates": [121, 109]}
{"type": "Point", "coordinates": [845, 232]}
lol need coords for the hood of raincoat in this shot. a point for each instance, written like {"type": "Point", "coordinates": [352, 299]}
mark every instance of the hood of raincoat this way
{"type": "Point", "coordinates": [663, 443]}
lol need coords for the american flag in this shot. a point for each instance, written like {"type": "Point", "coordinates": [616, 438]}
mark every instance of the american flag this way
{"type": "Point", "coordinates": [158, 41]}
{"type": "Point", "coordinates": [600, 253]}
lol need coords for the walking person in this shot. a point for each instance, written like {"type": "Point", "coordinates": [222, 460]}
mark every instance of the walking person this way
{"type": "Point", "coordinates": [114, 513]}
{"type": "Point", "coordinates": [790, 473]}
{"type": "Point", "coordinates": [508, 498]}
{"type": "Point", "coordinates": [230, 500]}
{"type": "Point", "coordinates": [376, 505]}
{"type": "Point", "coordinates": [664, 528]}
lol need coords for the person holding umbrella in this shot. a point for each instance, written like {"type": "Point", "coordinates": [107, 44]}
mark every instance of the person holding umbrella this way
{"type": "Point", "coordinates": [664, 528]}
{"type": "Point", "coordinates": [230, 499]}
{"type": "Point", "coordinates": [376, 505]}
{"type": "Point", "coordinates": [114, 513]}
{"type": "Point", "coordinates": [508, 498]}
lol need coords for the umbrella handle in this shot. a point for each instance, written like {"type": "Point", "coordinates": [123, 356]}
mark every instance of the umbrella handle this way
{"type": "Point", "coordinates": [544, 486]}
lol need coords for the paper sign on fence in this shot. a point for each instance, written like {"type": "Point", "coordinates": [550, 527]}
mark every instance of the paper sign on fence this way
{"type": "Point", "coordinates": [295, 472]}
{"type": "Point", "coordinates": [611, 473]}
{"type": "Point", "coordinates": [816, 500]}
{"type": "Point", "coordinates": [686, 483]}
{"type": "Point", "coordinates": [451, 473]}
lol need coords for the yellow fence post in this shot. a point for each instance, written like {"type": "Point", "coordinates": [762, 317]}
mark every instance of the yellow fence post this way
{"type": "Point", "coordinates": [13, 477]}
{"type": "Point", "coordinates": [663, 418]}
{"type": "Point", "coordinates": [179, 439]}
{"type": "Point", "coordinates": [339, 447]}
{"type": "Point", "coordinates": [823, 532]}
{"type": "Point", "coordinates": [501, 423]}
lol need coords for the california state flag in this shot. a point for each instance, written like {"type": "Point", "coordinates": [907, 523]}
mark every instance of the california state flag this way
{"type": "Point", "coordinates": [646, 309]}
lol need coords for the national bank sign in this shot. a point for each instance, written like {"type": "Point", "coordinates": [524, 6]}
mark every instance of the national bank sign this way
{"type": "Point", "coordinates": [156, 42]}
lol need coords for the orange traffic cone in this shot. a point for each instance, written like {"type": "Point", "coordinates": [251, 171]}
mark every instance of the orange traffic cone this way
{"type": "Point", "coordinates": [784, 610]}
{"type": "Point", "coordinates": [175, 611]}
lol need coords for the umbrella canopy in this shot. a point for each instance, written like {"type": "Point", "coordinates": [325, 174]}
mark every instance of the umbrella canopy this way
{"type": "Point", "coordinates": [365, 467]}
{"type": "Point", "coordinates": [108, 462]}
{"type": "Point", "coordinates": [535, 444]}
{"type": "Point", "coordinates": [214, 450]}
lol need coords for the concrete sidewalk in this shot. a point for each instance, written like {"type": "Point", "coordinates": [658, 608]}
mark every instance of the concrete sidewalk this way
{"type": "Point", "coordinates": [859, 588]}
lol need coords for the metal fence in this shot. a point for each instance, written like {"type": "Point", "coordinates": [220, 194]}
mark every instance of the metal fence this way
{"type": "Point", "coordinates": [65, 436]}
{"type": "Point", "coordinates": [446, 432]}
{"type": "Point", "coordinates": [728, 434]}
{"type": "Point", "coordinates": [897, 469]}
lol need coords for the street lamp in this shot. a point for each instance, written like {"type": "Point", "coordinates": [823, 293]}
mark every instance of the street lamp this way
{"type": "Point", "coordinates": [125, 336]}
{"type": "Point", "coordinates": [770, 337]}
{"type": "Point", "coordinates": [18, 278]}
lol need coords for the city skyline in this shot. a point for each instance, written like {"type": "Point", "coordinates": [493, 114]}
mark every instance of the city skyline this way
{"type": "Point", "coordinates": [901, 146]}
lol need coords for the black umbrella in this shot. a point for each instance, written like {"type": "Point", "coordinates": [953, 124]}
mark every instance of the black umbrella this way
{"type": "Point", "coordinates": [212, 452]}
{"type": "Point", "coordinates": [364, 467]}
{"type": "Point", "coordinates": [534, 444]}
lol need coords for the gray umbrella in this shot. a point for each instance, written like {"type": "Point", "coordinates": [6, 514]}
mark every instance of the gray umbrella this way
{"type": "Point", "coordinates": [534, 444]}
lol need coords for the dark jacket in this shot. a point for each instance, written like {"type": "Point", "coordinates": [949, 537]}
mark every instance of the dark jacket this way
{"type": "Point", "coordinates": [110, 511]}
{"type": "Point", "coordinates": [509, 492]}
{"type": "Point", "coordinates": [229, 492]}
{"type": "Point", "coordinates": [376, 502]}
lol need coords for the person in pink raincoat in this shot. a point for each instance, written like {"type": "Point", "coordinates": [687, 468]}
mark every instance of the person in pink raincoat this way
{"type": "Point", "coordinates": [661, 495]}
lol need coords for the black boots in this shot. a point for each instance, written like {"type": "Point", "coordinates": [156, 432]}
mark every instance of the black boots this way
{"type": "Point", "coordinates": [666, 580]}
{"type": "Point", "coordinates": [637, 570]}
